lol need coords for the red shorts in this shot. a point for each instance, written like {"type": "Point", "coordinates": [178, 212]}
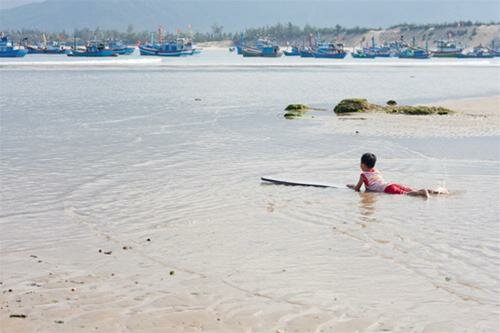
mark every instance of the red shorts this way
{"type": "Point", "coordinates": [397, 189]}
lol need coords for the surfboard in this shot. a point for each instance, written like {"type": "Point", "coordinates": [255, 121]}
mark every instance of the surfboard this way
{"type": "Point", "coordinates": [301, 183]}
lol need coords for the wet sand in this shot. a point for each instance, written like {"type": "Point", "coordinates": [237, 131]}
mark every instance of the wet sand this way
{"type": "Point", "coordinates": [474, 117]}
{"type": "Point", "coordinates": [228, 275]}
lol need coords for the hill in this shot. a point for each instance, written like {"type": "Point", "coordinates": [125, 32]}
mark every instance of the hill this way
{"type": "Point", "coordinates": [57, 15]}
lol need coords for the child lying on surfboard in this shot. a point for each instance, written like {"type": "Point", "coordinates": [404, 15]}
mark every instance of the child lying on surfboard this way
{"type": "Point", "coordinates": [373, 181]}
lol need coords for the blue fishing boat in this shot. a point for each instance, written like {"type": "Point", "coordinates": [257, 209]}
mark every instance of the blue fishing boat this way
{"type": "Point", "coordinates": [188, 47]}
{"type": "Point", "coordinates": [379, 51]}
{"type": "Point", "coordinates": [120, 48]}
{"type": "Point", "coordinates": [8, 49]}
{"type": "Point", "coordinates": [363, 54]}
{"type": "Point", "coordinates": [263, 48]}
{"type": "Point", "coordinates": [292, 51]}
{"type": "Point", "coordinates": [169, 49]}
{"type": "Point", "coordinates": [330, 51]}
{"type": "Point", "coordinates": [93, 49]}
{"type": "Point", "coordinates": [240, 45]}
{"type": "Point", "coordinates": [411, 53]}
{"type": "Point", "coordinates": [478, 52]}
{"type": "Point", "coordinates": [306, 52]}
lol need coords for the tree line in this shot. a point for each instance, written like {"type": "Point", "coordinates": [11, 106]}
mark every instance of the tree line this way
{"type": "Point", "coordinates": [278, 32]}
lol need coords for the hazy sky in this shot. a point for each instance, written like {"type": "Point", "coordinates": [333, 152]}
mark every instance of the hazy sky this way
{"type": "Point", "coordinates": [235, 15]}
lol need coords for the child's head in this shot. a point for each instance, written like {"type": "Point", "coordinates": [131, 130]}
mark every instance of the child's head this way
{"type": "Point", "coordinates": [368, 161]}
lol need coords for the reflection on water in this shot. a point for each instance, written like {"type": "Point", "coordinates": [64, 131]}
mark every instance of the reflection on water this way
{"type": "Point", "coordinates": [367, 207]}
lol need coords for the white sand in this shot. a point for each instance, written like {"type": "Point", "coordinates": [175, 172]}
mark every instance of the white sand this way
{"type": "Point", "coordinates": [473, 117]}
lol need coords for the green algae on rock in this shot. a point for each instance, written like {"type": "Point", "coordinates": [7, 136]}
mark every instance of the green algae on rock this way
{"type": "Point", "coordinates": [418, 110]}
{"type": "Point", "coordinates": [352, 105]}
{"type": "Point", "coordinates": [296, 110]}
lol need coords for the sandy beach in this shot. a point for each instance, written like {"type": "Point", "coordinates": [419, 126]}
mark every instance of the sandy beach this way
{"type": "Point", "coordinates": [474, 117]}
{"type": "Point", "coordinates": [145, 221]}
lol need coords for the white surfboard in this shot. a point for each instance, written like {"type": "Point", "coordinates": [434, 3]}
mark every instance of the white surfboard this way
{"type": "Point", "coordinates": [301, 183]}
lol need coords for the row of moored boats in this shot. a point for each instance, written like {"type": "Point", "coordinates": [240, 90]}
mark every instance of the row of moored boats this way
{"type": "Point", "coordinates": [172, 48]}
{"type": "Point", "coordinates": [399, 49]}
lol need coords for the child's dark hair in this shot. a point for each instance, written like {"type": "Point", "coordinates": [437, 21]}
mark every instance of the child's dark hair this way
{"type": "Point", "coordinates": [369, 160]}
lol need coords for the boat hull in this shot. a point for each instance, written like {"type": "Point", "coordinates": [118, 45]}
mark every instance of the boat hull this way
{"type": "Point", "coordinates": [362, 56]}
{"type": "Point", "coordinates": [104, 53]}
{"type": "Point", "coordinates": [476, 56]}
{"type": "Point", "coordinates": [35, 50]}
{"type": "Point", "coordinates": [146, 51]}
{"type": "Point", "coordinates": [251, 52]}
{"type": "Point", "coordinates": [125, 50]}
{"type": "Point", "coordinates": [445, 55]}
{"type": "Point", "coordinates": [306, 54]}
{"type": "Point", "coordinates": [330, 55]}
{"type": "Point", "coordinates": [14, 53]}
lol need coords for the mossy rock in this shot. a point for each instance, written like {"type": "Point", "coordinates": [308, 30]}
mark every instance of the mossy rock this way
{"type": "Point", "coordinates": [419, 110]}
{"type": "Point", "coordinates": [392, 102]}
{"type": "Point", "coordinates": [297, 107]}
{"type": "Point", "coordinates": [351, 105]}
{"type": "Point", "coordinates": [296, 110]}
{"type": "Point", "coordinates": [294, 114]}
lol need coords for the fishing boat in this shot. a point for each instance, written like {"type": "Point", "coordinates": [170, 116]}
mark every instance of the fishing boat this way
{"type": "Point", "coordinates": [240, 44]}
{"type": "Point", "coordinates": [377, 51]}
{"type": "Point", "coordinates": [46, 48]}
{"type": "Point", "coordinates": [292, 51]}
{"type": "Point", "coordinates": [446, 49]}
{"type": "Point", "coordinates": [306, 52]}
{"type": "Point", "coordinates": [414, 53]}
{"type": "Point", "coordinates": [266, 52]}
{"type": "Point", "coordinates": [8, 49]}
{"type": "Point", "coordinates": [173, 48]}
{"type": "Point", "coordinates": [93, 49]}
{"type": "Point", "coordinates": [363, 54]}
{"type": "Point", "coordinates": [168, 49]}
{"type": "Point", "coordinates": [188, 47]}
{"type": "Point", "coordinates": [478, 52]}
{"type": "Point", "coordinates": [263, 48]}
{"type": "Point", "coordinates": [330, 51]}
{"type": "Point", "coordinates": [120, 48]}
{"type": "Point", "coordinates": [495, 49]}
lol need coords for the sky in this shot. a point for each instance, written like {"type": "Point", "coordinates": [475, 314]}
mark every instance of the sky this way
{"type": "Point", "coordinates": [236, 15]}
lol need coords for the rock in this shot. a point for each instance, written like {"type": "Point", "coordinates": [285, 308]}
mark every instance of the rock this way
{"type": "Point", "coordinates": [58, 321]}
{"type": "Point", "coordinates": [17, 316]}
{"type": "Point", "coordinates": [362, 105]}
{"type": "Point", "coordinates": [350, 105]}
{"type": "Point", "coordinates": [295, 107]}
{"type": "Point", "coordinates": [172, 272]}
{"type": "Point", "coordinates": [295, 110]}
{"type": "Point", "coordinates": [419, 110]}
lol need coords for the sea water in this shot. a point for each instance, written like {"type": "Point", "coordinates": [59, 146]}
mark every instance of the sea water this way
{"type": "Point", "coordinates": [174, 148]}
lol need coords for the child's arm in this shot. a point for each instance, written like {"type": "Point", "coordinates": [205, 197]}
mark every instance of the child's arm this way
{"type": "Point", "coordinates": [356, 187]}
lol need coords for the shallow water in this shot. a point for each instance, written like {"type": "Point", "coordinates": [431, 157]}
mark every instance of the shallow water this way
{"type": "Point", "coordinates": [175, 152]}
